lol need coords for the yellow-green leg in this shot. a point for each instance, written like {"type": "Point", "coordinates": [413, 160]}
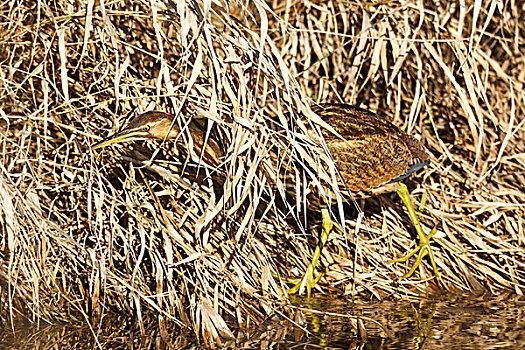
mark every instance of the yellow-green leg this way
{"type": "Point", "coordinates": [308, 279]}
{"type": "Point", "coordinates": [424, 241]}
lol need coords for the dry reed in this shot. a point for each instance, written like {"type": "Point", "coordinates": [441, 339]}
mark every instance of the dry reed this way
{"type": "Point", "coordinates": [145, 233]}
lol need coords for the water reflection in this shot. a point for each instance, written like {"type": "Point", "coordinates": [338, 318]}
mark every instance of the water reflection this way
{"type": "Point", "coordinates": [438, 322]}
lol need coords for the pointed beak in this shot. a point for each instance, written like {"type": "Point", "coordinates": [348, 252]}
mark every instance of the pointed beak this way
{"type": "Point", "coordinates": [121, 136]}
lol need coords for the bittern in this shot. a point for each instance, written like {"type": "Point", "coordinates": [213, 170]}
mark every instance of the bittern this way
{"type": "Point", "coordinates": [372, 156]}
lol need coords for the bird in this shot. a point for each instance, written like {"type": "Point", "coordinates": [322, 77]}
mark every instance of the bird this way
{"type": "Point", "coordinates": [372, 155]}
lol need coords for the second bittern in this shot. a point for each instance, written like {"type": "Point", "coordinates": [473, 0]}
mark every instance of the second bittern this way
{"type": "Point", "coordinates": [371, 154]}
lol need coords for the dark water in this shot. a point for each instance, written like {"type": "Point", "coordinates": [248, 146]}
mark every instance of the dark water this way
{"type": "Point", "coordinates": [442, 322]}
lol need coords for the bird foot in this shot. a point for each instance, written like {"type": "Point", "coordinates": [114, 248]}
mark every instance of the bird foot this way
{"type": "Point", "coordinates": [424, 247]}
{"type": "Point", "coordinates": [307, 281]}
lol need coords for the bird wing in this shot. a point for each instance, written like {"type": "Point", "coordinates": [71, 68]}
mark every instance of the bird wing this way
{"type": "Point", "coordinates": [369, 151]}
{"type": "Point", "coordinates": [369, 163]}
{"type": "Point", "coordinates": [353, 123]}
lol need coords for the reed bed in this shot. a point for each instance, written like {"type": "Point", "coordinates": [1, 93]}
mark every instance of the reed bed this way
{"type": "Point", "coordinates": [148, 234]}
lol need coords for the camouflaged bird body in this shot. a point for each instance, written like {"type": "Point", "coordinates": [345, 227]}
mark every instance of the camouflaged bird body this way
{"type": "Point", "coordinates": [370, 152]}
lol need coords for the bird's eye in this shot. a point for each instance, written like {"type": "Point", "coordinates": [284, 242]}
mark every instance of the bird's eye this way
{"type": "Point", "coordinates": [146, 128]}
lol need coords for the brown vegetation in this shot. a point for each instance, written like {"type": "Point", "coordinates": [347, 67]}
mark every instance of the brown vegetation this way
{"type": "Point", "coordinates": [145, 233]}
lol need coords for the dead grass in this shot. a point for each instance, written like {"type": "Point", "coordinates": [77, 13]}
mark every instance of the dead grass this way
{"type": "Point", "coordinates": [145, 232]}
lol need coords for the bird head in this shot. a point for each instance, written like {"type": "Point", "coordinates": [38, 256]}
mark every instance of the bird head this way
{"type": "Point", "coordinates": [149, 125]}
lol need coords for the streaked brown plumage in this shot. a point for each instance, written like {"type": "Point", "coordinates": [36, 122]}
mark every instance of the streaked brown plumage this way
{"type": "Point", "coordinates": [373, 153]}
